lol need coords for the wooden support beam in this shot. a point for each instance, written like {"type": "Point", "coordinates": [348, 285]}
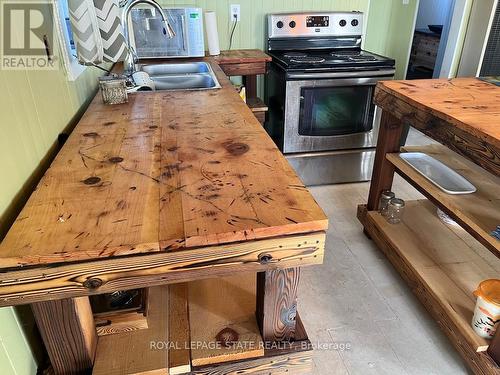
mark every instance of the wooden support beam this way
{"type": "Point", "coordinates": [68, 331]}
{"type": "Point", "coordinates": [179, 357]}
{"type": "Point", "coordinates": [75, 279]}
{"type": "Point", "coordinates": [250, 82]}
{"type": "Point", "coordinates": [494, 348]}
{"type": "Point", "coordinates": [389, 139]}
{"type": "Point", "coordinates": [277, 303]}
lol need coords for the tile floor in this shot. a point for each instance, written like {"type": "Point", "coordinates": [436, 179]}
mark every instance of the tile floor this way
{"type": "Point", "coordinates": [356, 298]}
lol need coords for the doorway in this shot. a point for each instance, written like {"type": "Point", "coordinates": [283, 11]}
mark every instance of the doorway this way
{"type": "Point", "coordinates": [431, 32]}
{"type": "Point", "coordinates": [439, 55]}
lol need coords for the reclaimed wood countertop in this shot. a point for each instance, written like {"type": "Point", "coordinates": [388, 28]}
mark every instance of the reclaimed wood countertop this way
{"type": "Point", "coordinates": [242, 56]}
{"type": "Point", "coordinates": [462, 113]}
{"type": "Point", "coordinates": [165, 173]}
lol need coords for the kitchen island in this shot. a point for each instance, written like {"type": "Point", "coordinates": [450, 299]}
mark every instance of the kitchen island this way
{"type": "Point", "coordinates": [442, 262]}
{"type": "Point", "coordinates": [182, 193]}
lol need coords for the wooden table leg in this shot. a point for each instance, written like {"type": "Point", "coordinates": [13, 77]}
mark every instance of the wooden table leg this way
{"type": "Point", "coordinates": [68, 331]}
{"type": "Point", "coordinates": [277, 303]}
{"type": "Point", "coordinates": [389, 138]}
{"type": "Point", "coordinates": [250, 83]}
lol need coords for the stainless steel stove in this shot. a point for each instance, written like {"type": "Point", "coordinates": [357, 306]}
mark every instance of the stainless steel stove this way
{"type": "Point", "coordinates": [319, 90]}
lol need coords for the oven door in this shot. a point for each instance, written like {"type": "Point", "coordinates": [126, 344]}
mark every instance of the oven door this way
{"type": "Point", "coordinates": [330, 114]}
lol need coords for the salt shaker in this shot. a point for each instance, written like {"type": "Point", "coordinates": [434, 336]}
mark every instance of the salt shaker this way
{"type": "Point", "coordinates": [384, 200]}
{"type": "Point", "coordinates": [395, 210]}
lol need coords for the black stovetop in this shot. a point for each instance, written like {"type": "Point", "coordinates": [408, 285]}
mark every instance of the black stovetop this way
{"type": "Point", "coordinates": [329, 59]}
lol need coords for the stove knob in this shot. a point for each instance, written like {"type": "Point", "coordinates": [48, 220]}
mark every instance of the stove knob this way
{"type": "Point", "coordinates": [354, 23]}
{"type": "Point", "coordinates": [342, 23]}
{"type": "Point", "coordinates": [292, 24]}
{"type": "Point", "coordinates": [279, 25]}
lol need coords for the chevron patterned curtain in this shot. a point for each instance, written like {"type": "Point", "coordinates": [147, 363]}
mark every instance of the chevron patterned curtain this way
{"type": "Point", "coordinates": [97, 31]}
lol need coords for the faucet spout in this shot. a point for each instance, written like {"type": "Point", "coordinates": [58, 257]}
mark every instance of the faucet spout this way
{"type": "Point", "coordinates": [129, 63]}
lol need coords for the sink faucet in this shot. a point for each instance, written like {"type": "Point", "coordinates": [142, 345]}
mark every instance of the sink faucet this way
{"type": "Point", "coordinates": [129, 63]}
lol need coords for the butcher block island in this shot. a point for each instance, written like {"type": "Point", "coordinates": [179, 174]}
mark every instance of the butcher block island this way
{"type": "Point", "coordinates": [184, 194]}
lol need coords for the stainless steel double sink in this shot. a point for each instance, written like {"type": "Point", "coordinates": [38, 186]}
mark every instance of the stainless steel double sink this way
{"type": "Point", "coordinates": [182, 76]}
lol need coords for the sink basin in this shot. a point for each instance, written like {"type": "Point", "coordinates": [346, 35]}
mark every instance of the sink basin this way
{"type": "Point", "coordinates": [185, 82]}
{"type": "Point", "coordinates": [182, 76]}
{"type": "Point", "coordinates": [182, 68]}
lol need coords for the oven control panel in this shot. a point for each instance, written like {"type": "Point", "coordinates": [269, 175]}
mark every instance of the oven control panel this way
{"type": "Point", "coordinates": [315, 24]}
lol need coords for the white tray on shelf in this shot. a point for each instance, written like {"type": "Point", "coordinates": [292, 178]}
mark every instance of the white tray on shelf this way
{"type": "Point", "coordinates": [438, 173]}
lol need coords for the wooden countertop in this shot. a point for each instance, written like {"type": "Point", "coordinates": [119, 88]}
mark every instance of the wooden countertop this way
{"type": "Point", "coordinates": [242, 56]}
{"type": "Point", "coordinates": [166, 172]}
{"type": "Point", "coordinates": [462, 113]}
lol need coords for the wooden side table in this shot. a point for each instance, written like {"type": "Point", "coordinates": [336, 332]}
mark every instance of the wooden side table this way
{"type": "Point", "coordinates": [248, 63]}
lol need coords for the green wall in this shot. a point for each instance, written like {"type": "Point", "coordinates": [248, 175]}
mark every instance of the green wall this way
{"type": "Point", "coordinates": [36, 106]}
{"type": "Point", "coordinates": [388, 23]}
{"type": "Point", "coordinates": [250, 33]}
{"type": "Point", "coordinates": [389, 30]}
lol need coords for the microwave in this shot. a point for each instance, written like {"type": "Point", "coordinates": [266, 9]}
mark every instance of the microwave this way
{"type": "Point", "coordinates": [148, 39]}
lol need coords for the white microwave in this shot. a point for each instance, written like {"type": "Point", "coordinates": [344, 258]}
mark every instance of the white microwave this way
{"type": "Point", "coordinates": [149, 41]}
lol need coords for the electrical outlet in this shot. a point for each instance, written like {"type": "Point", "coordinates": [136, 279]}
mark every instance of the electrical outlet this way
{"type": "Point", "coordinates": [406, 2]}
{"type": "Point", "coordinates": [234, 10]}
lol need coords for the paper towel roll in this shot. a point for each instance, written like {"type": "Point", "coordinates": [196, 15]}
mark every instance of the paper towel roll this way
{"type": "Point", "coordinates": [212, 34]}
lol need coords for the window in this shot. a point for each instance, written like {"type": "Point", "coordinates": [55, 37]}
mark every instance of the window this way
{"type": "Point", "coordinates": [67, 23]}
{"type": "Point", "coordinates": [67, 45]}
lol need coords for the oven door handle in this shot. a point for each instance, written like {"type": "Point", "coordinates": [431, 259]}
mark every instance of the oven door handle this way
{"type": "Point", "coordinates": [389, 73]}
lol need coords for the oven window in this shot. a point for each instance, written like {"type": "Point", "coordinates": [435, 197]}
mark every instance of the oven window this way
{"type": "Point", "coordinates": [330, 111]}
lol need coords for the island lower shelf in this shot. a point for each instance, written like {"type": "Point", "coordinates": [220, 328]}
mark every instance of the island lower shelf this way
{"type": "Point", "coordinates": [477, 212]}
{"type": "Point", "coordinates": [443, 265]}
{"type": "Point", "coordinates": [188, 324]}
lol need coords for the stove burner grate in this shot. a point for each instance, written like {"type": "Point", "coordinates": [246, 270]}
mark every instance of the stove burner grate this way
{"type": "Point", "coordinates": [308, 59]}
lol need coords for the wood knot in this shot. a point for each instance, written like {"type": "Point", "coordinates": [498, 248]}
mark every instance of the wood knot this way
{"type": "Point", "coordinates": [91, 180]}
{"type": "Point", "coordinates": [92, 283]}
{"type": "Point", "coordinates": [237, 148]}
{"type": "Point", "coordinates": [90, 134]}
{"type": "Point", "coordinates": [227, 337]}
{"type": "Point", "coordinates": [115, 159]}
{"type": "Point", "coordinates": [265, 258]}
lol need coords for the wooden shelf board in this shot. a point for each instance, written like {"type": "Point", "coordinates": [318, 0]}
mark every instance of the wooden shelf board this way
{"type": "Point", "coordinates": [224, 303]}
{"type": "Point", "coordinates": [277, 362]}
{"type": "Point", "coordinates": [478, 213]}
{"type": "Point", "coordinates": [442, 266]}
{"type": "Point", "coordinates": [257, 105]}
{"type": "Point", "coordinates": [295, 358]}
{"type": "Point", "coordinates": [131, 352]}
{"type": "Point", "coordinates": [117, 323]}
